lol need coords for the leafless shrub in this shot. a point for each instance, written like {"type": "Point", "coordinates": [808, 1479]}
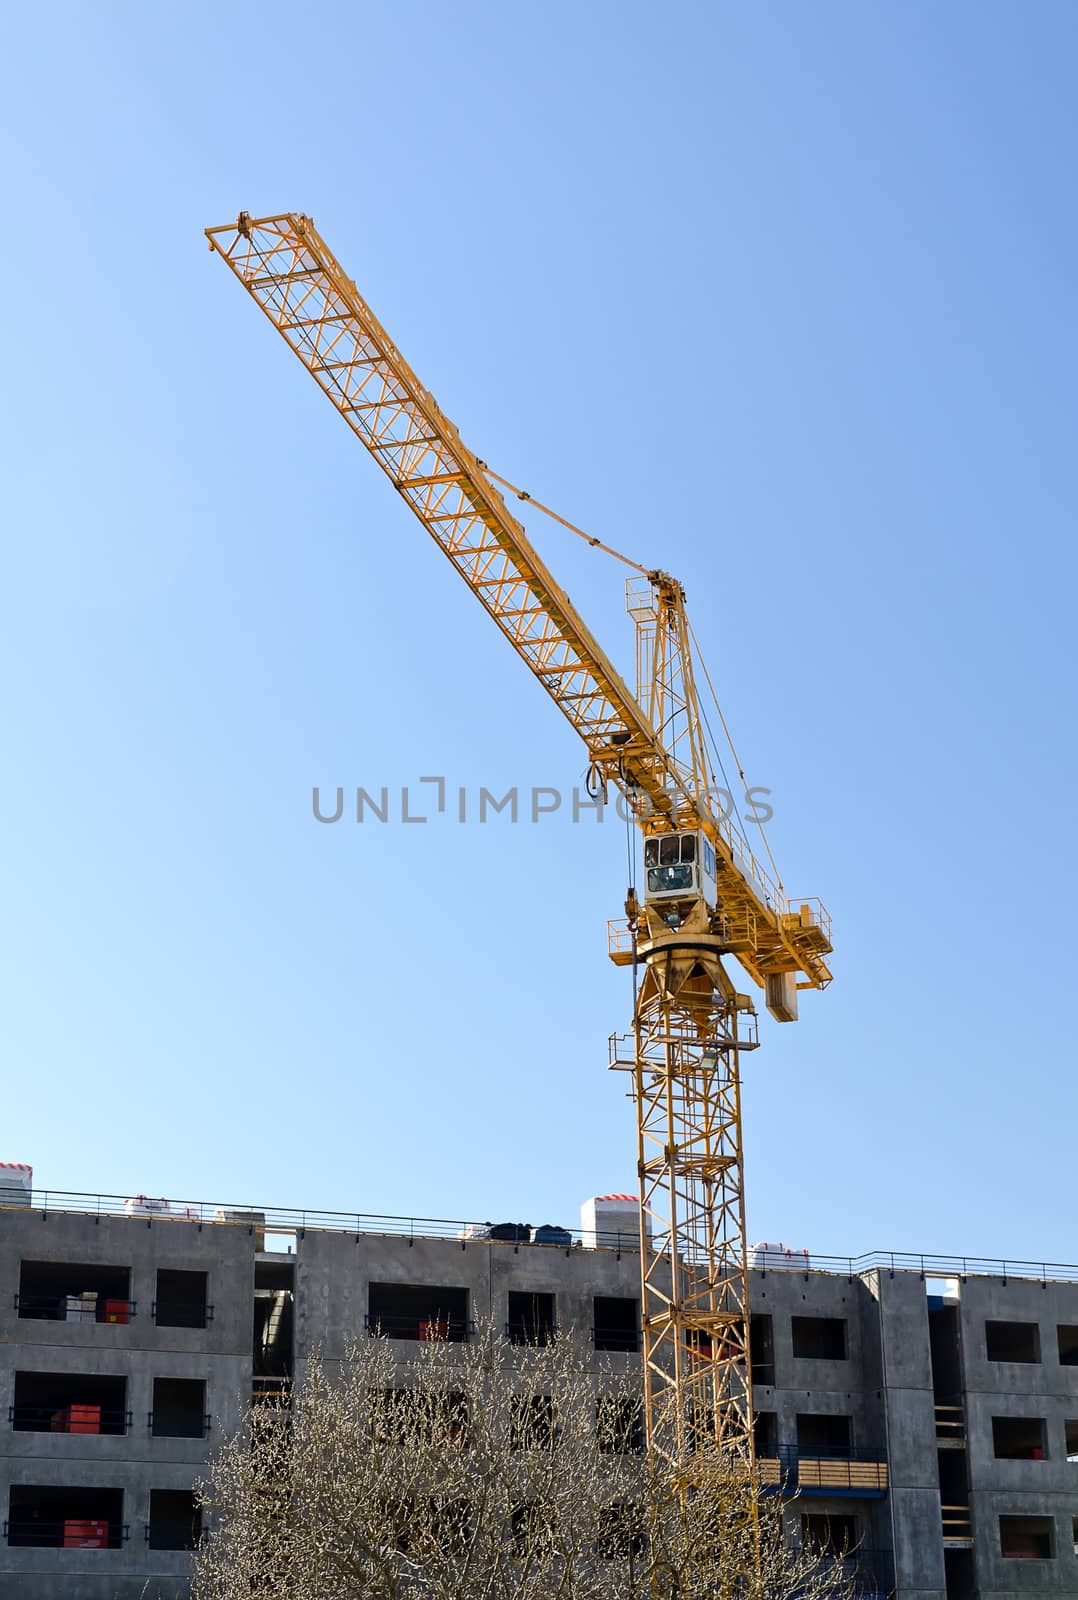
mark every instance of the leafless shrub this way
{"type": "Point", "coordinates": [482, 1472]}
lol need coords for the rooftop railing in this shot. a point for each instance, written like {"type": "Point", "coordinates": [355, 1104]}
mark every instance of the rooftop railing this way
{"type": "Point", "coordinates": [288, 1223]}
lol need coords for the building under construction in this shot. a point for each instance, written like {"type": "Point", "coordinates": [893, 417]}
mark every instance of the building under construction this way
{"type": "Point", "coordinates": [923, 1410]}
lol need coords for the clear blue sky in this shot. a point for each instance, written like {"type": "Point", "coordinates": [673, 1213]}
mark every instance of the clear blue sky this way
{"type": "Point", "coordinates": [778, 297]}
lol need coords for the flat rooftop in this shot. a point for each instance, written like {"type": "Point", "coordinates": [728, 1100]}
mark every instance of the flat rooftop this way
{"type": "Point", "coordinates": [284, 1226]}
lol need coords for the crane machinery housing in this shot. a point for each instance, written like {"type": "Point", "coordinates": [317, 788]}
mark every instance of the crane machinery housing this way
{"type": "Point", "coordinates": [706, 897]}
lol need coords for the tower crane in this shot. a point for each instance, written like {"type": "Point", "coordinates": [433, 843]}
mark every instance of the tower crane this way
{"type": "Point", "coordinates": [708, 906]}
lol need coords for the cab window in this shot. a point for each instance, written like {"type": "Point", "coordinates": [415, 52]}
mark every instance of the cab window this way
{"type": "Point", "coordinates": [670, 849]}
{"type": "Point", "coordinates": [662, 879]}
{"type": "Point", "coordinates": [669, 860]}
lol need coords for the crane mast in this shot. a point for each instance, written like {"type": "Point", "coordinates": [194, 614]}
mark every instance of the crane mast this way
{"type": "Point", "coordinates": [706, 900]}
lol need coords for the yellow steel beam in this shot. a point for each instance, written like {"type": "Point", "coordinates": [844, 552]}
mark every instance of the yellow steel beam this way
{"type": "Point", "coordinates": [290, 271]}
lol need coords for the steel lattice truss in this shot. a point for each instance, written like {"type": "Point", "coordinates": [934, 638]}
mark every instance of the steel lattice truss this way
{"type": "Point", "coordinates": [695, 1278]}
{"type": "Point", "coordinates": [290, 271]}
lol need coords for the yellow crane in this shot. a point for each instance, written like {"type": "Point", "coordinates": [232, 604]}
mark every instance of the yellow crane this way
{"type": "Point", "coordinates": [705, 895]}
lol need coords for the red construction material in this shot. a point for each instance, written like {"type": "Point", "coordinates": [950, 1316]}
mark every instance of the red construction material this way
{"type": "Point", "coordinates": [86, 1535]}
{"type": "Point", "coordinates": [117, 1311]}
{"type": "Point", "coordinates": [434, 1331]}
{"type": "Point", "coordinates": [76, 1419]}
{"type": "Point", "coordinates": [84, 1419]}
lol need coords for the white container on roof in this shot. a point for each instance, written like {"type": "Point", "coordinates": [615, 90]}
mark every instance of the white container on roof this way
{"type": "Point", "coordinates": [611, 1222]}
{"type": "Point", "coordinates": [770, 1257]}
{"type": "Point", "coordinates": [146, 1205]}
{"type": "Point", "coordinates": [16, 1183]}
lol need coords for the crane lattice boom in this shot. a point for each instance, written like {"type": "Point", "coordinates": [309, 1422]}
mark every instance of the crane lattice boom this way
{"type": "Point", "coordinates": [293, 275]}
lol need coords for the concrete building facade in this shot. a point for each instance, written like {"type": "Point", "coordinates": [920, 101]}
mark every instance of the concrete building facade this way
{"type": "Point", "coordinates": [928, 1424]}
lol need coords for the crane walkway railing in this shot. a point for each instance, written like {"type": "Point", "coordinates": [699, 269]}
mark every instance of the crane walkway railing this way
{"type": "Point", "coordinates": [287, 1222]}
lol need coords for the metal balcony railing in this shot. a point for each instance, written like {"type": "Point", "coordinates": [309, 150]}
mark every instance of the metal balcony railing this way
{"type": "Point", "coordinates": [166, 1424]}
{"type": "Point", "coordinates": [69, 1533]}
{"type": "Point", "coordinates": [55, 1308]}
{"type": "Point", "coordinates": [626, 1340]}
{"type": "Point", "coordinates": [182, 1313]}
{"type": "Point", "coordinates": [860, 1472]}
{"type": "Point", "coordinates": [537, 1334]}
{"type": "Point", "coordinates": [77, 1417]}
{"type": "Point", "coordinates": [166, 1538]}
{"type": "Point", "coordinates": [433, 1329]}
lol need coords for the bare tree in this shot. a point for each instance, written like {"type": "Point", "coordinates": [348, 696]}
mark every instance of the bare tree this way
{"type": "Point", "coordinates": [482, 1471]}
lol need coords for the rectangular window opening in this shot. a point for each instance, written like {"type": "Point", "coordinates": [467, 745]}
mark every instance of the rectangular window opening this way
{"type": "Point", "coordinates": [621, 1532]}
{"type": "Point", "coordinates": [765, 1433]}
{"type": "Point", "coordinates": [415, 1417]}
{"type": "Point", "coordinates": [1012, 1341]}
{"type": "Point", "coordinates": [762, 1349]}
{"type": "Point", "coordinates": [1067, 1338]}
{"type": "Point", "coordinates": [181, 1299]}
{"type": "Point", "coordinates": [823, 1435]}
{"type": "Point", "coordinates": [179, 1408]}
{"type": "Point", "coordinates": [830, 1533]}
{"type": "Point", "coordinates": [46, 1517]}
{"type": "Point", "coordinates": [945, 1338]}
{"type": "Point", "coordinates": [1026, 1538]}
{"type": "Point", "coordinates": [617, 1323]}
{"type": "Point", "coordinates": [619, 1424]}
{"type": "Point", "coordinates": [418, 1311]}
{"type": "Point", "coordinates": [1070, 1434]}
{"type": "Point", "coordinates": [175, 1520]}
{"type": "Point", "coordinates": [1019, 1438]}
{"type": "Point", "coordinates": [61, 1402]}
{"type": "Point", "coordinates": [819, 1338]}
{"type": "Point", "coordinates": [531, 1529]}
{"type": "Point", "coordinates": [274, 1333]}
{"type": "Point", "coordinates": [531, 1422]}
{"type": "Point", "coordinates": [958, 1573]}
{"type": "Point", "coordinates": [54, 1291]}
{"type": "Point", "coordinates": [531, 1317]}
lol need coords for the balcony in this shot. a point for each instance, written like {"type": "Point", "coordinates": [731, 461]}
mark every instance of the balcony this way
{"type": "Point", "coordinates": [624, 1340]}
{"type": "Point", "coordinates": [59, 1291]}
{"type": "Point", "coordinates": [73, 1308]}
{"type": "Point", "coordinates": [70, 1533]}
{"type": "Point", "coordinates": [427, 1330]}
{"type": "Point", "coordinates": [73, 1403]}
{"type": "Point", "coordinates": [43, 1516]}
{"type": "Point", "coordinates": [860, 1473]}
{"type": "Point", "coordinates": [166, 1424]}
{"type": "Point", "coordinates": [76, 1419]}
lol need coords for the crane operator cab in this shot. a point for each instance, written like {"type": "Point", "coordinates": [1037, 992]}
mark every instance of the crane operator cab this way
{"type": "Point", "coordinates": [679, 866]}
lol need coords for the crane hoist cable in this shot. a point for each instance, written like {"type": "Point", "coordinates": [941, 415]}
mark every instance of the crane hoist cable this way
{"type": "Point", "coordinates": [588, 538]}
{"type": "Point", "coordinates": [597, 544]}
{"type": "Point", "coordinates": [733, 750]}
